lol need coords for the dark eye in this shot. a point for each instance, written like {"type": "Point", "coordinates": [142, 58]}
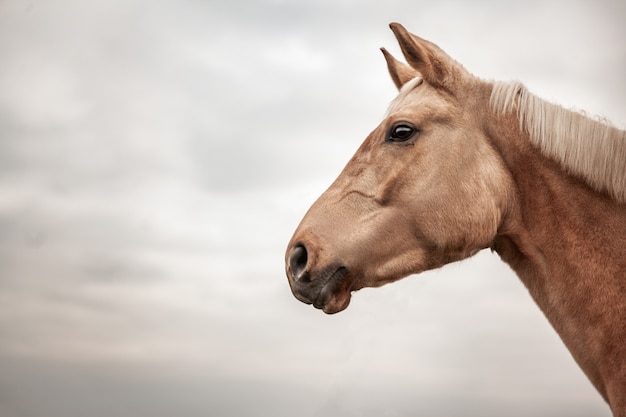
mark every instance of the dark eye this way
{"type": "Point", "coordinates": [401, 133]}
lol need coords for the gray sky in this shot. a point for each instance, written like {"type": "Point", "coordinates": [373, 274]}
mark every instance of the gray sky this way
{"type": "Point", "coordinates": [155, 157]}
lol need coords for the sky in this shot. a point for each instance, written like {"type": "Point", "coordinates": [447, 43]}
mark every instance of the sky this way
{"type": "Point", "coordinates": [155, 158]}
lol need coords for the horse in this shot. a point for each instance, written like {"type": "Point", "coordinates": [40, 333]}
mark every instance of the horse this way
{"type": "Point", "coordinates": [460, 164]}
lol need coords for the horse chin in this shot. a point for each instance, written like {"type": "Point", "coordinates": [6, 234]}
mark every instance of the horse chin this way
{"type": "Point", "coordinates": [336, 303]}
{"type": "Point", "coordinates": [335, 294]}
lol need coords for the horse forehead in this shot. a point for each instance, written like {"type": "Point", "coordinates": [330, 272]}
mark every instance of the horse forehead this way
{"type": "Point", "coordinates": [414, 93]}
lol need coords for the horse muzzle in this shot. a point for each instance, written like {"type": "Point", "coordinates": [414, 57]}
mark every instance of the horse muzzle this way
{"type": "Point", "coordinates": [326, 288]}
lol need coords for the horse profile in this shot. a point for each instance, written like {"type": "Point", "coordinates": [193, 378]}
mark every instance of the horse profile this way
{"type": "Point", "coordinates": [460, 164]}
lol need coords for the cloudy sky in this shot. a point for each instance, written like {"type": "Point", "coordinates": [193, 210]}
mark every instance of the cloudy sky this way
{"type": "Point", "coordinates": [155, 157]}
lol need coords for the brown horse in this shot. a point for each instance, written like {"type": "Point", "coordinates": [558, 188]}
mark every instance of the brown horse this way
{"type": "Point", "coordinates": [459, 165]}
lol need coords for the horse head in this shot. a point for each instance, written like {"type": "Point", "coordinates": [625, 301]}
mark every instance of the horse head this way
{"type": "Point", "coordinates": [425, 188]}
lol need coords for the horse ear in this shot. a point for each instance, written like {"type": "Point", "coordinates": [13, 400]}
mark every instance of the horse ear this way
{"type": "Point", "coordinates": [400, 72]}
{"type": "Point", "coordinates": [432, 63]}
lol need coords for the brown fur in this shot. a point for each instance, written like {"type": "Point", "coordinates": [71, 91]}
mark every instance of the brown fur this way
{"type": "Point", "coordinates": [567, 243]}
{"type": "Point", "coordinates": [471, 179]}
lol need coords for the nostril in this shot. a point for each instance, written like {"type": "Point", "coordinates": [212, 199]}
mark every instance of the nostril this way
{"type": "Point", "coordinates": [297, 262]}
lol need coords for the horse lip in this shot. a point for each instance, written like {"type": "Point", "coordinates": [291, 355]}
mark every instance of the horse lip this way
{"type": "Point", "coordinates": [323, 287]}
{"type": "Point", "coordinates": [334, 282]}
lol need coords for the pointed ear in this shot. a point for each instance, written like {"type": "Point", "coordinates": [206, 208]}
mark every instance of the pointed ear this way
{"type": "Point", "coordinates": [400, 72]}
{"type": "Point", "coordinates": [437, 68]}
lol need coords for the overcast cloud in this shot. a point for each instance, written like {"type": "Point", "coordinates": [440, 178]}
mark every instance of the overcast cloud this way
{"type": "Point", "coordinates": [155, 157]}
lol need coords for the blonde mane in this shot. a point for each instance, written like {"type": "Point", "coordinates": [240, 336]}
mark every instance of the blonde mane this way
{"type": "Point", "coordinates": [404, 91]}
{"type": "Point", "coordinates": [591, 149]}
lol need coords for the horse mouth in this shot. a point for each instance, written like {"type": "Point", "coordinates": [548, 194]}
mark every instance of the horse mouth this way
{"type": "Point", "coordinates": [334, 295]}
{"type": "Point", "coordinates": [329, 292]}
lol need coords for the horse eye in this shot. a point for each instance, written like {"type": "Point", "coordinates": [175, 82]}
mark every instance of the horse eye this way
{"type": "Point", "coordinates": [401, 133]}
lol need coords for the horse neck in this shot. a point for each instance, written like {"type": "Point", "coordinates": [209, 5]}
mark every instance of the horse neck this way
{"type": "Point", "coordinates": [567, 243]}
